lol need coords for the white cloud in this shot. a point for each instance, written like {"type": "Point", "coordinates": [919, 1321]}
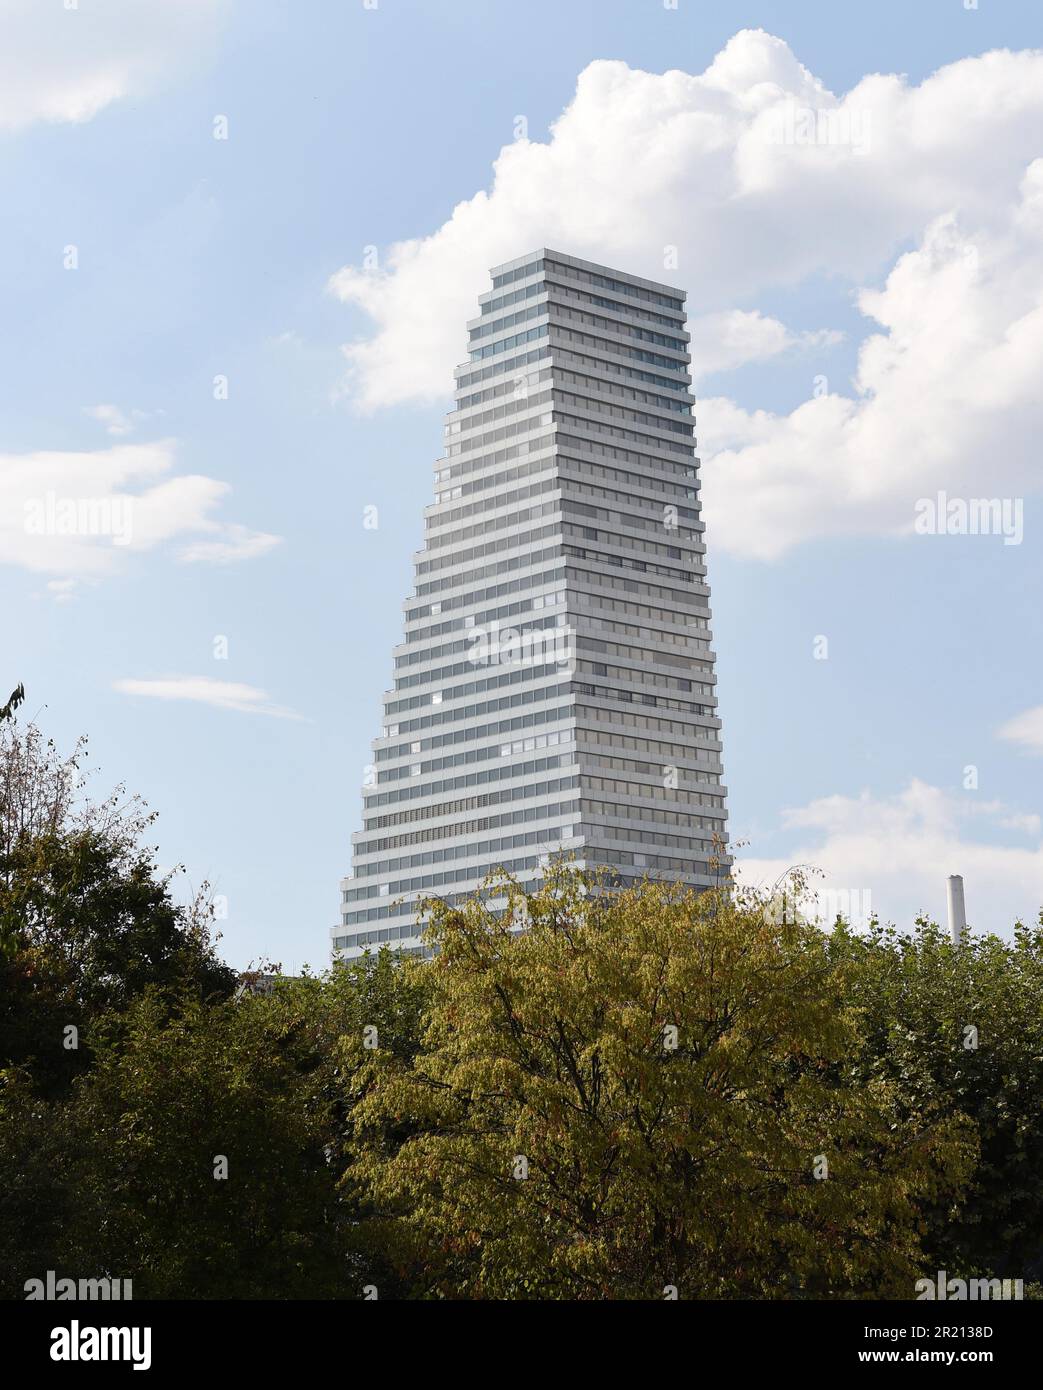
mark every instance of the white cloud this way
{"type": "Point", "coordinates": [61, 64]}
{"type": "Point", "coordinates": [1025, 728]}
{"type": "Point", "coordinates": [116, 421]}
{"type": "Point", "coordinates": [230, 695]}
{"type": "Point", "coordinates": [75, 513]}
{"type": "Point", "coordinates": [902, 848]}
{"type": "Point", "coordinates": [235, 543]}
{"type": "Point", "coordinates": [719, 165]}
{"type": "Point", "coordinates": [950, 381]}
{"type": "Point", "coordinates": [735, 337]}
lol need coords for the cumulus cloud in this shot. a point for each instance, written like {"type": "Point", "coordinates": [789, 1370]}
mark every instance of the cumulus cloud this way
{"type": "Point", "coordinates": [76, 513]}
{"type": "Point", "coordinates": [949, 381]}
{"type": "Point", "coordinates": [753, 176]}
{"type": "Point", "coordinates": [893, 854]}
{"type": "Point", "coordinates": [60, 64]}
{"type": "Point", "coordinates": [1026, 729]}
{"type": "Point", "coordinates": [229, 695]}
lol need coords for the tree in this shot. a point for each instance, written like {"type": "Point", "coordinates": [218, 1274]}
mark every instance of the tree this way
{"type": "Point", "coordinates": [961, 1027]}
{"type": "Point", "coordinates": [86, 919]}
{"type": "Point", "coordinates": [645, 1091]}
{"type": "Point", "coordinates": [199, 1154]}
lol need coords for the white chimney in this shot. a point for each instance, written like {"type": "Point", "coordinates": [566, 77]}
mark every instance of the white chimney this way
{"type": "Point", "coordinates": [957, 909]}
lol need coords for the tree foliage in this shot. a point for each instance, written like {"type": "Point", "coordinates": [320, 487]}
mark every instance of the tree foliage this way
{"type": "Point", "coordinates": [643, 1091]}
{"type": "Point", "coordinates": [962, 1027]}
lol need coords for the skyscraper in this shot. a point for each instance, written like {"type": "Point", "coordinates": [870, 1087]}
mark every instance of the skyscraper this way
{"type": "Point", "coordinates": [555, 686]}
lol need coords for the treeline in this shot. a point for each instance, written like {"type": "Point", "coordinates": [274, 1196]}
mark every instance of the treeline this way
{"type": "Point", "coordinates": [644, 1093]}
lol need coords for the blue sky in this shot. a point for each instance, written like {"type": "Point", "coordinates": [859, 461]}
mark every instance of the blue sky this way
{"type": "Point", "coordinates": [351, 127]}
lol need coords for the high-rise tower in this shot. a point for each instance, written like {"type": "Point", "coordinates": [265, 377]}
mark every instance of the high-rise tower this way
{"type": "Point", "coordinates": [555, 687]}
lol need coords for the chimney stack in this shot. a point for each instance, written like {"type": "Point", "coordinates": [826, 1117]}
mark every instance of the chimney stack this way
{"type": "Point", "coordinates": [957, 909]}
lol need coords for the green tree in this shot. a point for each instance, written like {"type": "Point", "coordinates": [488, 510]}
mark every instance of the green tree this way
{"type": "Point", "coordinates": [644, 1090]}
{"type": "Point", "coordinates": [961, 1027]}
{"type": "Point", "coordinates": [87, 920]}
{"type": "Point", "coordinates": [126, 1174]}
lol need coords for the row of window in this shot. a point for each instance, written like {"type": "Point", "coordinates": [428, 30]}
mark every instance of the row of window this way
{"type": "Point", "coordinates": [475, 802]}
{"type": "Point", "coordinates": [522, 273]}
{"type": "Point", "coordinates": [525, 449]}
{"type": "Point", "coordinates": [473, 635]}
{"type": "Point", "coordinates": [464, 557]}
{"type": "Point", "coordinates": [466, 379]}
{"type": "Point", "coordinates": [504, 301]}
{"type": "Point", "coordinates": [468, 732]}
{"type": "Point", "coordinates": [459, 423]}
{"type": "Point", "coordinates": [512, 586]}
{"type": "Point", "coordinates": [659, 838]}
{"type": "Point", "coordinates": [538, 643]}
{"type": "Point", "coordinates": [656, 771]}
{"type": "Point", "coordinates": [507, 676]}
{"type": "Point", "coordinates": [679, 660]}
{"type": "Point", "coordinates": [697, 733]}
{"type": "Point", "coordinates": [661, 863]}
{"type": "Point", "coordinates": [596, 386]}
{"type": "Point", "coordinates": [628, 676]}
{"type": "Point", "coordinates": [622, 541]}
{"type": "Point", "coordinates": [570, 313]}
{"type": "Point", "coordinates": [615, 810]}
{"type": "Point", "coordinates": [633, 521]}
{"type": "Point", "coordinates": [638, 697]}
{"type": "Point", "coordinates": [599, 426]}
{"type": "Point", "coordinates": [648, 792]}
{"type": "Point", "coordinates": [517, 386]}
{"type": "Point", "coordinates": [542, 464]}
{"type": "Point", "coordinates": [443, 527]}
{"type": "Point", "coordinates": [536, 603]}
{"type": "Point", "coordinates": [404, 930]}
{"type": "Point", "coordinates": [482, 441]}
{"type": "Point", "coordinates": [566, 353]}
{"type": "Point", "coordinates": [478, 755]}
{"type": "Point", "coordinates": [423, 882]}
{"type": "Point", "coordinates": [628, 503]}
{"type": "Point", "coordinates": [453, 535]}
{"type": "Point", "coordinates": [627, 562]}
{"type": "Point", "coordinates": [606, 282]}
{"type": "Point", "coordinates": [684, 640]}
{"type": "Point", "coordinates": [605, 410]}
{"type": "Point", "coordinates": [469, 779]}
{"type": "Point", "coordinates": [506, 344]}
{"type": "Point", "coordinates": [586, 602]}
{"type": "Point", "coordinates": [575, 487]}
{"type": "Point", "coordinates": [572, 296]}
{"type": "Point", "coordinates": [569, 337]}
{"type": "Point", "coordinates": [668, 754]}
{"type": "Point", "coordinates": [575, 444]}
{"type": "Point", "coordinates": [516, 816]}
{"type": "Point", "coordinates": [475, 711]}
{"type": "Point", "coordinates": [547, 836]}
{"type": "Point", "coordinates": [484, 330]}
{"type": "Point", "coordinates": [682, 599]}
{"type": "Point", "coordinates": [446, 583]}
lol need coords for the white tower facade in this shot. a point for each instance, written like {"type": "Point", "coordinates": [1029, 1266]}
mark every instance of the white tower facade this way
{"type": "Point", "coordinates": [555, 686]}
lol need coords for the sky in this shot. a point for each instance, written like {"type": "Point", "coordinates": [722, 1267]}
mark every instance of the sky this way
{"type": "Point", "coordinates": [239, 247]}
